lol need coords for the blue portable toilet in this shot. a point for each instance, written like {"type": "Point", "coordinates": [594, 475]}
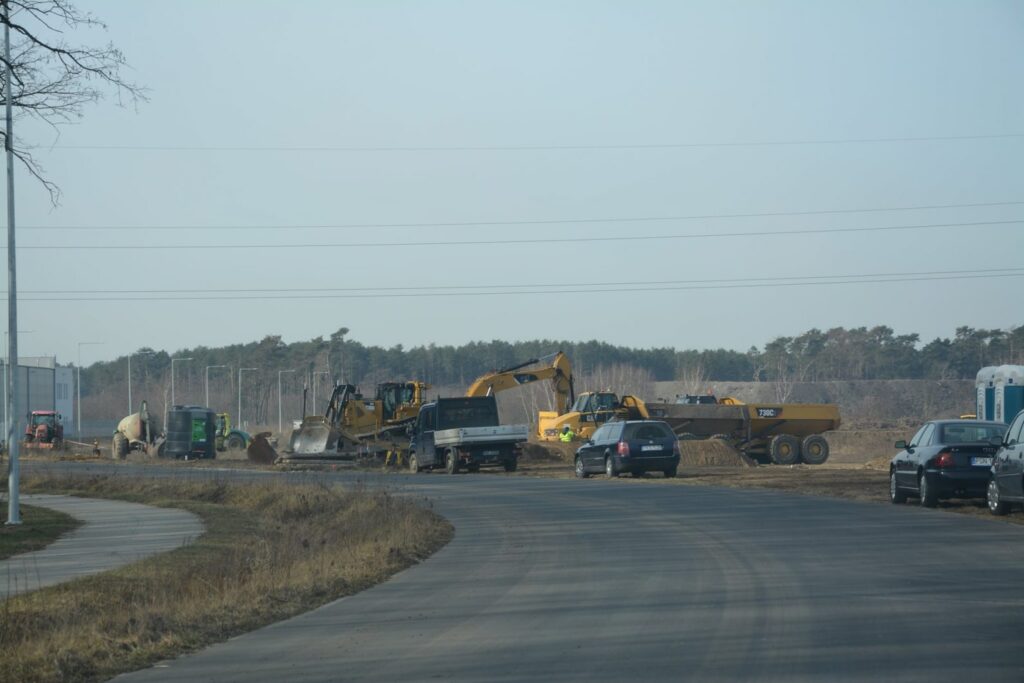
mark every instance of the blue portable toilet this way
{"type": "Point", "coordinates": [985, 386]}
{"type": "Point", "coordinates": [1009, 392]}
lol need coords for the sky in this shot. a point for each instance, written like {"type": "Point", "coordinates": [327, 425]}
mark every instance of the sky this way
{"type": "Point", "coordinates": [385, 122]}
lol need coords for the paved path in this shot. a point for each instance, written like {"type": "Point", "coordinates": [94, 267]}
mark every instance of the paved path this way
{"type": "Point", "coordinates": [114, 533]}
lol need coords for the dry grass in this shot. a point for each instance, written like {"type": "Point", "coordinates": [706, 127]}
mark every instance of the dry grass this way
{"type": "Point", "coordinates": [39, 528]}
{"type": "Point", "coordinates": [271, 550]}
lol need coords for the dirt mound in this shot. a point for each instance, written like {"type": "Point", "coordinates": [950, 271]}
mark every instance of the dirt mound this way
{"type": "Point", "coordinates": [549, 451]}
{"type": "Point", "coordinates": [713, 453]}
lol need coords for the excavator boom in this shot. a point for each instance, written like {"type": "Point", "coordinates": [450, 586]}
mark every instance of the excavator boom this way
{"type": "Point", "coordinates": [555, 367]}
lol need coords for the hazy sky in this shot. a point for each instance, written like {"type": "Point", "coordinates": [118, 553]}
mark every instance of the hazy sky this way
{"type": "Point", "coordinates": [297, 85]}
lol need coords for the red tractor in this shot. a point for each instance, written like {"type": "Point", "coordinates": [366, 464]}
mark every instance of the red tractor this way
{"type": "Point", "coordinates": [44, 430]}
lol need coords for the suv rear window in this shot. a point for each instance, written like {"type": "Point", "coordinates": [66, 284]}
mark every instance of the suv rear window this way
{"type": "Point", "coordinates": [649, 430]}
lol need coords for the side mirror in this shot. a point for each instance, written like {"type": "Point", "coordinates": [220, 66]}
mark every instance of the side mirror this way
{"type": "Point", "coordinates": [590, 442]}
{"type": "Point", "coordinates": [901, 444]}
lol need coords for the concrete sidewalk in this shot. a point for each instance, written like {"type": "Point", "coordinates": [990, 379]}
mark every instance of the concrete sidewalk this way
{"type": "Point", "coordinates": [114, 533]}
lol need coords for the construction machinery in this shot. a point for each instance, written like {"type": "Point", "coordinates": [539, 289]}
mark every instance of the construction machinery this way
{"type": "Point", "coordinates": [590, 410]}
{"type": "Point", "coordinates": [228, 438]}
{"type": "Point", "coordinates": [44, 430]}
{"type": "Point", "coordinates": [782, 433]}
{"type": "Point", "coordinates": [555, 367]}
{"type": "Point", "coordinates": [354, 426]}
{"type": "Point", "coordinates": [137, 432]}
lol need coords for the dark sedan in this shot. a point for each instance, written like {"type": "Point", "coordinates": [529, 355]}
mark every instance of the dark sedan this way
{"type": "Point", "coordinates": [635, 446]}
{"type": "Point", "coordinates": [1006, 485]}
{"type": "Point", "coordinates": [944, 459]}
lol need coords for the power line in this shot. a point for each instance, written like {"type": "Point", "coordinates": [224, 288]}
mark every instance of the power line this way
{"type": "Point", "coordinates": [529, 148]}
{"type": "Point", "coordinates": [542, 285]}
{"type": "Point", "coordinates": [539, 240]}
{"type": "Point", "coordinates": [597, 290]}
{"type": "Point", "coordinates": [542, 221]}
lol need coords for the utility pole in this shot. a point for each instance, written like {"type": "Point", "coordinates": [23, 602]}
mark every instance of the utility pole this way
{"type": "Point", "coordinates": [13, 471]}
{"type": "Point", "coordinates": [280, 424]}
{"type": "Point", "coordinates": [240, 393]}
{"type": "Point", "coordinates": [207, 382]}
{"type": "Point", "coordinates": [173, 360]}
{"type": "Point", "coordinates": [78, 386]}
{"type": "Point", "coordinates": [141, 353]}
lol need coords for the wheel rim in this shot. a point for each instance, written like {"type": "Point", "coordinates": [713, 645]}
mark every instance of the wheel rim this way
{"type": "Point", "coordinates": [608, 467]}
{"type": "Point", "coordinates": [923, 488]}
{"type": "Point", "coordinates": [413, 465]}
{"type": "Point", "coordinates": [993, 495]}
{"type": "Point", "coordinates": [892, 485]}
{"type": "Point", "coordinates": [579, 466]}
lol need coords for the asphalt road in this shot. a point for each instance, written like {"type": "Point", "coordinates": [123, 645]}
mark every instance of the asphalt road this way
{"type": "Point", "coordinates": [632, 580]}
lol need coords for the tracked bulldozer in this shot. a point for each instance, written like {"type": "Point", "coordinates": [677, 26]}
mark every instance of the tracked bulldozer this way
{"type": "Point", "coordinates": [354, 426]}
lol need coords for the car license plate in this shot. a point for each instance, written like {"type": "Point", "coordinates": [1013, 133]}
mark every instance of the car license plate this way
{"type": "Point", "coordinates": [650, 448]}
{"type": "Point", "coordinates": [491, 452]}
{"type": "Point", "coordinates": [981, 462]}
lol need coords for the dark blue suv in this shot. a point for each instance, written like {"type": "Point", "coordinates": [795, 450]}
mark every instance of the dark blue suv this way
{"type": "Point", "coordinates": [634, 446]}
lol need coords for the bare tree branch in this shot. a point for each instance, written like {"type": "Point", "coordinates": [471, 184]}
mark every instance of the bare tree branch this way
{"type": "Point", "coordinates": [54, 80]}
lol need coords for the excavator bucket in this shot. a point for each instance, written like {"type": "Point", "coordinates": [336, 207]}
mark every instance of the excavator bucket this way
{"type": "Point", "coordinates": [260, 451]}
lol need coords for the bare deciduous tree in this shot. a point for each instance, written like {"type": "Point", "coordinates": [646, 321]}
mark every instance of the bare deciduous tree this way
{"type": "Point", "coordinates": [54, 79]}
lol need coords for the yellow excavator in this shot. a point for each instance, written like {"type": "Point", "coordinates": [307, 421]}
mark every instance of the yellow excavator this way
{"type": "Point", "coordinates": [355, 426]}
{"type": "Point", "coordinates": [590, 410]}
{"type": "Point", "coordinates": [583, 413]}
{"type": "Point", "coordinates": [555, 367]}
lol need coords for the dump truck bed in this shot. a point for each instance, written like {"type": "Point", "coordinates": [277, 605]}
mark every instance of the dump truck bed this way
{"type": "Point", "coordinates": [747, 420]}
{"type": "Point", "coordinates": [470, 436]}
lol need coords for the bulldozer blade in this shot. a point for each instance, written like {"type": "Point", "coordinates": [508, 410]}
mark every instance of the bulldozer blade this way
{"type": "Point", "coordinates": [260, 451]}
{"type": "Point", "coordinates": [316, 437]}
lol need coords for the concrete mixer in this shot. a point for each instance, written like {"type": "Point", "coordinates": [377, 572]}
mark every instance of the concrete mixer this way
{"type": "Point", "coordinates": [137, 432]}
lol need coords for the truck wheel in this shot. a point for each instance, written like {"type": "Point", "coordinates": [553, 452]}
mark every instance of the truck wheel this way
{"type": "Point", "coordinates": [119, 446]}
{"type": "Point", "coordinates": [511, 465]}
{"type": "Point", "coordinates": [814, 450]}
{"type": "Point", "coordinates": [414, 464]}
{"type": "Point", "coordinates": [451, 462]}
{"type": "Point", "coordinates": [784, 449]}
{"type": "Point", "coordinates": [609, 468]}
{"type": "Point", "coordinates": [670, 473]}
{"type": "Point", "coordinates": [235, 443]}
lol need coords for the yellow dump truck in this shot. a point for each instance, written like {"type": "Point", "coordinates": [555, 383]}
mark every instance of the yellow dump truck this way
{"type": "Point", "coordinates": [782, 433]}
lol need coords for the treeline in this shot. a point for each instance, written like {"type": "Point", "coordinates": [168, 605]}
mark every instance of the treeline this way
{"type": "Point", "coordinates": [816, 355]}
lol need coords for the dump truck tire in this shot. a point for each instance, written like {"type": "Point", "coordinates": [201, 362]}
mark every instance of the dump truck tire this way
{"type": "Point", "coordinates": [511, 465]}
{"type": "Point", "coordinates": [814, 450]}
{"type": "Point", "coordinates": [784, 449]}
{"type": "Point", "coordinates": [119, 447]}
{"type": "Point", "coordinates": [414, 464]}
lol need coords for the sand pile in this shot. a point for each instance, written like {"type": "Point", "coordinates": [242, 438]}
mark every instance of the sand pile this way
{"type": "Point", "coordinates": [712, 453]}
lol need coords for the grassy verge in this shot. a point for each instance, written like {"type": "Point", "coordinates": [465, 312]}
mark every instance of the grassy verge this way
{"type": "Point", "coordinates": [271, 550]}
{"type": "Point", "coordinates": [39, 528]}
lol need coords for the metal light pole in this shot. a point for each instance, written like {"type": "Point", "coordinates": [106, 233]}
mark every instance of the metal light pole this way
{"type": "Point", "coordinates": [11, 389]}
{"type": "Point", "coordinates": [173, 361]}
{"type": "Point", "coordinates": [240, 393]}
{"type": "Point", "coordinates": [7, 405]}
{"type": "Point", "coordinates": [280, 423]}
{"type": "Point", "coordinates": [207, 382]}
{"type": "Point", "coordinates": [78, 386]}
{"type": "Point", "coordinates": [141, 353]}
{"type": "Point", "coordinates": [317, 373]}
